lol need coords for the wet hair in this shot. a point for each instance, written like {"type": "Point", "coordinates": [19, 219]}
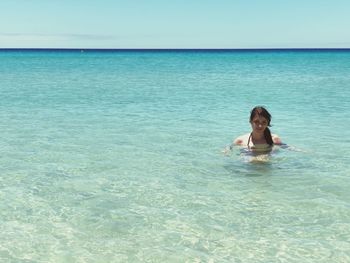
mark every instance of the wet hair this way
{"type": "Point", "coordinates": [261, 111]}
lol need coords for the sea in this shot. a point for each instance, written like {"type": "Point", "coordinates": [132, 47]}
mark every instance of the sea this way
{"type": "Point", "coordinates": [119, 156]}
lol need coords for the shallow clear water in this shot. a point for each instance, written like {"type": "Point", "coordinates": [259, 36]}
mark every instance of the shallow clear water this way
{"type": "Point", "coordinates": [117, 157]}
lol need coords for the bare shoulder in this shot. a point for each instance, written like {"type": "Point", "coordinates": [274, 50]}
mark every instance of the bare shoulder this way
{"type": "Point", "coordinates": [238, 141]}
{"type": "Point", "coordinates": [241, 140]}
{"type": "Point", "coordinates": [276, 139]}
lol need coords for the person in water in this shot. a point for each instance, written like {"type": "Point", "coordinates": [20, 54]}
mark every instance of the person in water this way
{"type": "Point", "coordinates": [260, 138]}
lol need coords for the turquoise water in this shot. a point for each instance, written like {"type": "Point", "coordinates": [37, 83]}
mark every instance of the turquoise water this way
{"type": "Point", "coordinates": [117, 157]}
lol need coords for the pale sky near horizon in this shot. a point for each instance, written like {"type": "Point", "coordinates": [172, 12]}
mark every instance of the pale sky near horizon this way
{"type": "Point", "coordinates": [175, 24]}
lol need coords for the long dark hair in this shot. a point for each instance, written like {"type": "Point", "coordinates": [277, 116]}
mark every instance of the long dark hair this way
{"type": "Point", "coordinates": [261, 111]}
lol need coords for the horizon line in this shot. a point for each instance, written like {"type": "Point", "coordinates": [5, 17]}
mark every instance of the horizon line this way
{"type": "Point", "coordinates": [178, 49]}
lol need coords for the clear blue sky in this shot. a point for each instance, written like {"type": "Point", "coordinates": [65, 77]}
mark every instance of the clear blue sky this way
{"type": "Point", "coordinates": [174, 23]}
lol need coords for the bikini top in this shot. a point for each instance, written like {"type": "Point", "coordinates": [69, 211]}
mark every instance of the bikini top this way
{"type": "Point", "coordinates": [265, 147]}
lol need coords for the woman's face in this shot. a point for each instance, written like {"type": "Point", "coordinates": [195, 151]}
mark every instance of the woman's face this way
{"type": "Point", "coordinates": [259, 123]}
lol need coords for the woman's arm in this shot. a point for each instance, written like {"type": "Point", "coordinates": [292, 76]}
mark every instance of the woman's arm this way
{"type": "Point", "coordinates": [228, 148]}
{"type": "Point", "coordinates": [276, 139]}
{"type": "Point", "coordinates": [238, 141]}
